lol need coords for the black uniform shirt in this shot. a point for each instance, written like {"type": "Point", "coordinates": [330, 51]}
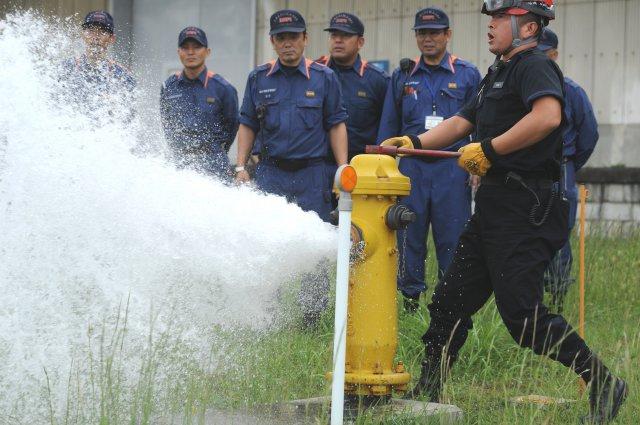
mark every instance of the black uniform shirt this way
{"type": "Point", "coordinates": [505, 97]}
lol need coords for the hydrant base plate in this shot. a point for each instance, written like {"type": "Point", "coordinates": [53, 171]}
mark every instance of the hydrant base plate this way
{"type": "Point", "coordinates": [310, 410]}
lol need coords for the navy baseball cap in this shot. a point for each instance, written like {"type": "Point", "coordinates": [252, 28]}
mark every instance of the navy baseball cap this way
{"type": "Point", "coordinates": [548, 40]}
{"type": "Point", "coordinates": [431, 18]}
{"type": "Point", "coordinates": [192, 33]}
{"type": "Point", "coordinates": [346, 22]}
{"type": "Point", "coordinates": [287, 20]}
{"type": "Point", "coordinates": [98, 18]}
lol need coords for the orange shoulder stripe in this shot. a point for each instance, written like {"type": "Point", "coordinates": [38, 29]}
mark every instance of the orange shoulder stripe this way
{"type": "Point", "coordinates": [362, 68]}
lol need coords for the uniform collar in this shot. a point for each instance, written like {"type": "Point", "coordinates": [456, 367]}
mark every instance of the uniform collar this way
{"type": "Point", "coordinates": [446, 63]}
{"type": "Point", "coordinates": [202, 76]}
{"type": "Point", "coordinates": [303, 67]}
{"type": "Point", "coordinates": [521, 53]}
{"type": "Point", "coordinates": [358, 66]}
{"type": "Point", "coordinates": [83, 62]}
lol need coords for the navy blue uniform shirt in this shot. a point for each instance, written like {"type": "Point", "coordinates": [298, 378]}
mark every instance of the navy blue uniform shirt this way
{"type": "Point", "coordinates": [300, 108]}
{"type": "Point", "coordinates": [106, 76]}
{"type": "Point", "coordinates": [363, 90]}
{"type": "Point", "coordinates": [437, 91]}
{"type": "Point", "coordinates": [94, 87]}
{"type": "Point", "coordinates": [200, 112]}
{"type": "Point", "coordinates": [581, 130]}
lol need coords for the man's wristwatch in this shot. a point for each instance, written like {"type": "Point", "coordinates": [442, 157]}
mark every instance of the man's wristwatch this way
{"type": "Point", "coordinates": [239, 168]}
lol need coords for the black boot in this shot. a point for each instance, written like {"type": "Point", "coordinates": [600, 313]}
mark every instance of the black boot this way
{"type": "Point", "coordinates": [430, 382]}
{"type": "Point", "coordinates": [605, 398]}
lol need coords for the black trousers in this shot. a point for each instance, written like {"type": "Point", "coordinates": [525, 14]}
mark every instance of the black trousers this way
{"type": "Point", "coordinates": [501, 252]}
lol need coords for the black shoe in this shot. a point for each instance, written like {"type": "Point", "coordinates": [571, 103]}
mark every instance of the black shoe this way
{"type": "Point", "coordinates": [429, 384]}
{"type": "Point", "coordinates": [411, 305]}
{"type": "Point", "coordinates": [605, 400]}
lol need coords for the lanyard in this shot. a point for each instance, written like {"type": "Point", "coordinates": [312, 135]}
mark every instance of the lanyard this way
{"type": "Point", "coordinates": [431, 75]}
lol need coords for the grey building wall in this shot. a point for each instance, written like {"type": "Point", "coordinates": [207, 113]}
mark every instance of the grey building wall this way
{"type": "Point", "coordinates": [599, 49]}
{"type": "Point", "coordinates": [56, 7]}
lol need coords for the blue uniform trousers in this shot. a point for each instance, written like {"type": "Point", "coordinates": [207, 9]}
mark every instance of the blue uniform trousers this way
{"type": "Point", "coordinates": [212, 161]}
{"type": "Point", "coordinates": [440, 197]}
{"type": "Point", "coordinates": [306, 187]}
{"type": "Point", "coordinates": [558, 276]}
{"type": "Point", "coordinates": [330, 170]}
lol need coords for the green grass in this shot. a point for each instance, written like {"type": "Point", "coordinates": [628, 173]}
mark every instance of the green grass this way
{"type": "Point", "coordinates": [250, 368]}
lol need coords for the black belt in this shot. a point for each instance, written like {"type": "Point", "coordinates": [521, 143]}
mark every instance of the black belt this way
{"type": "Point", "coordinates": [292, 164]}
{"type": "Point", "coordinates": [518, 181]}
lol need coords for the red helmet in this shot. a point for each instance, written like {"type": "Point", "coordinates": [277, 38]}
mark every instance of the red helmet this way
{"type": "Point", "coordinates": [542, 8]}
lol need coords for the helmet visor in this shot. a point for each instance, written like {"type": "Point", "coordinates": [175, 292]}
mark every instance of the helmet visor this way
{"type": "Point", "coordinates": [495, 5]}
{"type": "Point", "coordinates": [542, 8]}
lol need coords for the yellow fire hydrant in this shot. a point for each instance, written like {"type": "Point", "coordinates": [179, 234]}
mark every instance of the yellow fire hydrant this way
{"type": "Point", "coordinates": [372, 316]}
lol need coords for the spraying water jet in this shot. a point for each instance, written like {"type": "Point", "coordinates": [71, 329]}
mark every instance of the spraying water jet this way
{"type": "Point", "coordinates": [86, 227]}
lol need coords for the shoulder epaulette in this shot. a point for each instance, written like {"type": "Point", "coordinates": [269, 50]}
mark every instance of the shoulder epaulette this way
{"type": "Point", "coordinates": [464, 63]}
{"type": "Point", "coordinates": [374, 68]}
{"type": "Point", "coordinates": [324, 60]}
{"type": "Point", "coordinates": [571, 83]}
{"type": "Point", "coordinates": [267, 66]}
{"type": "Point", "coordinates": [172, 78]}
{"type": "Point", "coordinates": [316, 65]}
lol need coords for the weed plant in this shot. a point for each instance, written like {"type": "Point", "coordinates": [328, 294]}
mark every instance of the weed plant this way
{"type": "Point", "coordinates": [249, 368]}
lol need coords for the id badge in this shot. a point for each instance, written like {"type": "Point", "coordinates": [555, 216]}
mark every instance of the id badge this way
{"type": "Point", "coordinates": [431, 121]}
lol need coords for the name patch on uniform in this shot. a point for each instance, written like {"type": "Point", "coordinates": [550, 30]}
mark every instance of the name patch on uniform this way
{"type": "Point", "coordinates": [266, 91]}
{"type": "Point", "coordinates": [211, 100]}
{"type": "Point", "coordinates": [174, 96]}
{"type": "Point", "coordinates": [310, 93]}
{"type": "Point", "coordinates": [362, 93]}
{"type": "Point", "coordinates": [453, 86]}
{"type": "Point", "coordinates": [407, 90]}
{"type": "Point", "coordinates": [498, 84]}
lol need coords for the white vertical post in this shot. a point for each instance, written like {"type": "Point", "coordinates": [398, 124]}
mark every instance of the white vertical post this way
{"type": "Point", "coordinates": [342, 296]}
